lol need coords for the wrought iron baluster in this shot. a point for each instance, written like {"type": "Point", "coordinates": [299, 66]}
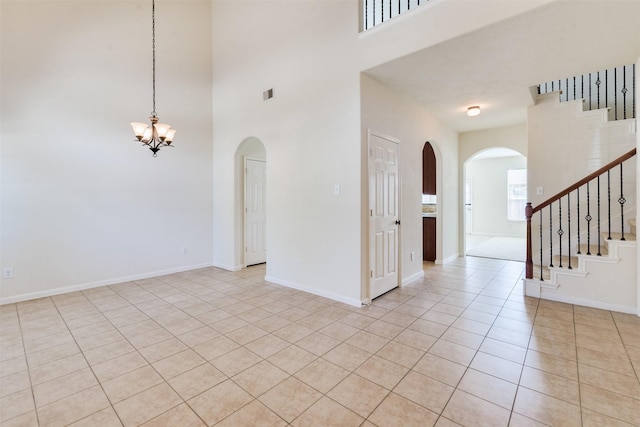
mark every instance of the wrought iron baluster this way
{"type": "Point", "coordinates": [588, 218]}
{"type": "Point", "coordinates": [589, 91]}
{"type": "Point", "coordinates": [615, 93]}
{"type": "Point", "coordinates": [622, 201]}
{"type": "Point", "coordinates": [560, 231]}
{"type": "Point", "coordinates": [606, 88]}
{"type": "Point", "coordinates": [373, 14]}
{"type": "Point", "coordinates": [574, 88]}
{"type": "Point", "coordinates": [624, 91]}
{"type": "Point", "coordinates": [598, 219]}
{"type": "Point", "coordinates": [598, 87]}
{"type": "Point", "coordinates": [609, 202]}
{"type": "Point", "coordinates": [569, 229]}
{"type": "Point", "coordinates": [567, 89]}
{"type": "Point", "coordinates": [541, 278]}
{"type": "Point", "coordinates": [578, 217]}
{"type": "Point", "coordinates": [550, 236]}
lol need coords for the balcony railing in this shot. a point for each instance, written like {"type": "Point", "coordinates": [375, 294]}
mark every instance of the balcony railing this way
{"type": "Point", "coordinates": [376, 12]}
{"type": "Point", "coordinates": [613, 88]}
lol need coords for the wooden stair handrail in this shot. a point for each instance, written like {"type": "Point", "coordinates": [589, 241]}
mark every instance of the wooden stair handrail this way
{"type": "Point", "coordinates": [584, 180]}
{"type": "Point", "coordinates": [529, 210]}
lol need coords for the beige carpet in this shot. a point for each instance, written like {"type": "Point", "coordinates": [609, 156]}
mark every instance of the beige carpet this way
{"type": "Point", "coordinates": [510, 248]}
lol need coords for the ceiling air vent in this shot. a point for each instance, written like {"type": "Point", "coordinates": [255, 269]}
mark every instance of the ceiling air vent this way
{"type": "Point", "coordinates": [267, 94]}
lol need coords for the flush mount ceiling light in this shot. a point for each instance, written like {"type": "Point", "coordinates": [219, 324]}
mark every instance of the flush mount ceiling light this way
{"type": "Point", "coordinates": [473, 111]}
{"type": "Point", "coordinates": [159, 134]}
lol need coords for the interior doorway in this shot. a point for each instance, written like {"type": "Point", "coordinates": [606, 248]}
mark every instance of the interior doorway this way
{"type": "Point", "coordinates": [384, 217]}
{"type": "Point", "coordinates": [250, 204]}
{"type": "Point", "coordinates": [255, 208]}
{"type": "Point", "coordinates": [495, 196]}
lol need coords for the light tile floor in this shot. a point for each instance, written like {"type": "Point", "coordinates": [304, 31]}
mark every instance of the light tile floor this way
{"type": "Point", "coordinates": [463, 346]}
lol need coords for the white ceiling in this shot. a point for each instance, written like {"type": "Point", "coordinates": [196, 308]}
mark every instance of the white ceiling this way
{"type": "Point", "coordinates": [495, 67]}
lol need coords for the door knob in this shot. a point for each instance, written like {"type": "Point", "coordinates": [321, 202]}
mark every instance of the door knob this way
{"type": "Point", "coordinates": [397, 222]}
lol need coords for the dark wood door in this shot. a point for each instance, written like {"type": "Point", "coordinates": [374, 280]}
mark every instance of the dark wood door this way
{"type": "Point", "coordinates": [428, 170]}
{"type": "Point", "coordinates": [428, 239]}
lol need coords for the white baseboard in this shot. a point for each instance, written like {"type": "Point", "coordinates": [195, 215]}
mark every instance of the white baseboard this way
{"type": "Point", "coordinates": [82, 286]}
{"type": "Point", "coordinates": [447, 260]}
{"type": "Point", "coordinates": [589, 303]}
{"type": "Point", "coordinates": [228, 267]}
{"type": "Point", "coordinates": [340, 298]}
{"type": "Point", "coordinates": [417, 276]}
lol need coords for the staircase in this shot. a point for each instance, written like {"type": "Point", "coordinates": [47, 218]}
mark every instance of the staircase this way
{"type": "Point", "coordinates": [607, 281]}
{"type": "Point", "coordinates": [581, 242]}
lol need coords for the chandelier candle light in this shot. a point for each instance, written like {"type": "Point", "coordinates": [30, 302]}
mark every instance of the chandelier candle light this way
{"type": "Point", "coordinates": [159, 134]}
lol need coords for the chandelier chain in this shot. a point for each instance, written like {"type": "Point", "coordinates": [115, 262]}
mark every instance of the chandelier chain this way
{"type": "Point", "coordinates": [153, 48]}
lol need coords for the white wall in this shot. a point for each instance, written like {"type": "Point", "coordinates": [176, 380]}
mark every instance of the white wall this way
{"type": "Point", "coordinates": [82, 204]}
{"type": "Point", "coordinates": [490, 198]}
{"type": "Point", "coordinates": [311, 131]}
{"type": "Point", "coordinates": [513, 137]}
{"type": "Point", "coordinates": [385, 112]}
{"type": "Point", "coordinates": [579, 143]}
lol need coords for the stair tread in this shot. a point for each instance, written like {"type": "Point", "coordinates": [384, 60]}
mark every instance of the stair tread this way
{"type": "Point", "coordinates": [627, 236]}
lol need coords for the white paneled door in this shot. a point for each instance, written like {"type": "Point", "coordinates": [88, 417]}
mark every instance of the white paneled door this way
{"type": "Point", "coordinates": [383, 214]}
{"type": "Point", "coordinates": [255, 212]}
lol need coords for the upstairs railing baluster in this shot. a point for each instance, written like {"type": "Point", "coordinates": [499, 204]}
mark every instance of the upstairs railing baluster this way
{"type": "Point", "coordinates": [598, 87]}
{"type": "Point", "coordinates": [624, 91]}
{"type": "Point", "coordinates": [620, 109]}
{"type": "Point", "coordinates": [615, 94]}
{"type": "Point", "coordinates": [374, 13]}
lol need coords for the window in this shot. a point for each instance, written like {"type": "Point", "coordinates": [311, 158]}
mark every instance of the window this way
{"type": "Point", "coordinates": [516, 194]}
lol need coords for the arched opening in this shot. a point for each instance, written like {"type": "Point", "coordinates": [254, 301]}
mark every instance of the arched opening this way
{"type": "Point", "coordinates": [429, 203]}
{"type": "Point", "coordinates": [250, 202]}
{"type": "Point", "coordinates": [495, 194]}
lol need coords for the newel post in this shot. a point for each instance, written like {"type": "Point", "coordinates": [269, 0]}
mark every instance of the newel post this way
{"type": "Point", "coordinates": [528, 211]}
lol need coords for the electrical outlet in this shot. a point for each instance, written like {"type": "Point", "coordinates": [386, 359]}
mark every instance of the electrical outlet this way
{"type": "Point", "coordinates": [185, 250]}
{"type": "Point", "coordinates": [336, 189]}
{"type": "Point", "coordinates": [7, 272]}
{"type": "Point", "coordinates": [539, 191]}
{"type": "Point", "coordinates": [413, 254]}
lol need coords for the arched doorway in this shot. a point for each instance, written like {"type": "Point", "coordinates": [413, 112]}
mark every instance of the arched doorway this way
{"type": "Point", "coordinates": [429, 203]}
{"type": "Point", "coordinates": [250, 202]}
{"type": "Point", "coordinates": [495, 194]}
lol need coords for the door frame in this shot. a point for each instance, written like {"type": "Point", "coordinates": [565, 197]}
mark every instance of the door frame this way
{"type": "Point", "coordinates": [244, 206]}
{"type": "Point", "coordinates": [367, 292]}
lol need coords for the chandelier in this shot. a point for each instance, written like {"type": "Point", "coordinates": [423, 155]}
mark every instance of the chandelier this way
{"type": "Point", "coordinates": [158, 134]}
